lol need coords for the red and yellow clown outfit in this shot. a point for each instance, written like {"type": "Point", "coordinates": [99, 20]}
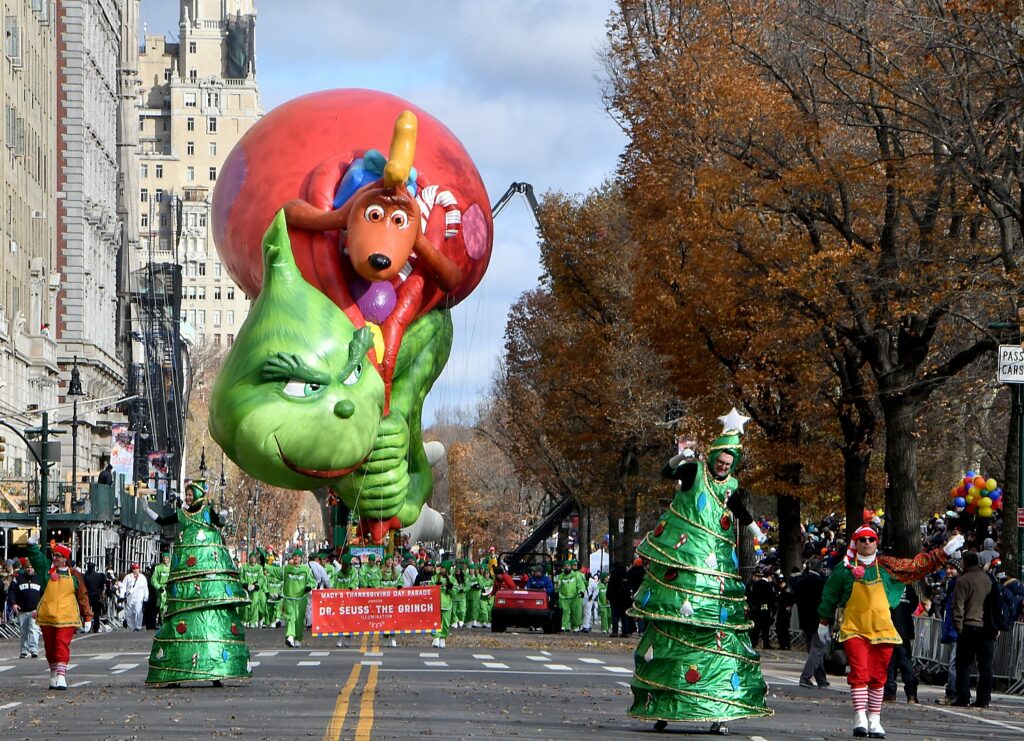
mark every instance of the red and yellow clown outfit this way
{"type": "Point", "coordinates": [868, 587]}
{"type": "Point", "coordinates": [62, 609]}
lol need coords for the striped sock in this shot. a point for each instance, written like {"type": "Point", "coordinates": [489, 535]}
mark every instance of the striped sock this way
{"type": "Point", "coordinates": [875, 699]}
{"type": "Point", "coordinates": [860, 697]}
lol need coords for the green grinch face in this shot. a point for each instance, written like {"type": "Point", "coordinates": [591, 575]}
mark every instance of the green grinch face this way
{"type": "Point", "coordinates": [297, 403]}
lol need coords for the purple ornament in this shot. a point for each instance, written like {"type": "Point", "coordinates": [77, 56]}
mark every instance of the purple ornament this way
{"type": "Point", "coordinates": [375, 299]}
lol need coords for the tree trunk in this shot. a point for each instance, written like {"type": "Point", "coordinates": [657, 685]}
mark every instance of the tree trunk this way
{"type": "Point", "coordinates": [902, 514]}
{"type": "Point", "coordinates": [629, 515]}
{"type": "Point", "coordinates": [855, 472]}
{"type": "Point", "coordinates": [790, 544]}
{"type": "Point", "coordinates": [583, 532]}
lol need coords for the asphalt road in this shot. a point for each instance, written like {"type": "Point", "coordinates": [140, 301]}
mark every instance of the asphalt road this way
{"type": "Point", "coordinates": [517, 685]}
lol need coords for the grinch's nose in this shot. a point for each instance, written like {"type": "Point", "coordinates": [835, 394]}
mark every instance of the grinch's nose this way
{"type": "Point", "coordinates": [344, 409]}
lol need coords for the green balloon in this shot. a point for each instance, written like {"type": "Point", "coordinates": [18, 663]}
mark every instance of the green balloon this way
{"type": "Point", "coordinates": [297, 403]}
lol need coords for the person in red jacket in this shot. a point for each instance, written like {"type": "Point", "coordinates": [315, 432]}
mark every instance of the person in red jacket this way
{"type": "Point", "coordinates": [63, 608]}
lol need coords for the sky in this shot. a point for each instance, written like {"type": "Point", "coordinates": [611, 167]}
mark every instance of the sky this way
{"type": "Point", "coordinates": [519, 82]}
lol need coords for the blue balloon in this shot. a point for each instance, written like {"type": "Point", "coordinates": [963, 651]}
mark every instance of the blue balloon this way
{"type": "Point", "coordinates": [995, 494]}
{"type": "Point", "coordinates": [970, 474]}
{"type": "Point", "coordinates": [960, 502]}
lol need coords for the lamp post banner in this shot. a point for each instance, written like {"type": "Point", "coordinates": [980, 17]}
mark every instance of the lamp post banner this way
{"type": "Point", "coordinates": [122, 455]}
{"type": "Point", "coordinates": [358, 611]}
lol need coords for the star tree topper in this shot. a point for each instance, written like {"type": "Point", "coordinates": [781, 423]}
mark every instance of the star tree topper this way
{"type": "Point", "coordinates": [733, 421]}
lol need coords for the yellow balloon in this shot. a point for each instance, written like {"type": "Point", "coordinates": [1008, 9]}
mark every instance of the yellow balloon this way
{"type": "Point", "coordinates": [985, 502]}
{"type": "Point", "coordinates": [990, 485]}
{"type": "Point", "coordinates": [879, 511]}
{"type": "Point", "coordinates": [972, 492]}
{"type": "Point", "coordinates": [985, 511]}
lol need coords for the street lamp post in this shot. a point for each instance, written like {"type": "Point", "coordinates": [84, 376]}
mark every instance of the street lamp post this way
{"type": "Point", "coordinates": [74, 390]}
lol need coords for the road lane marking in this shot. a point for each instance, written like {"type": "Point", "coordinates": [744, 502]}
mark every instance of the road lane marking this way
{"type": "Point", "coordinates": [10, 705]}
{"type": "Point", "coordinates": [591, 661]}
{"type": "Point", "coordinates": [79, 684]}
{"type": "Point", "coordinates": [120, 668]}
{"type": "Point", "coordinates": [429, 656]}
{"type": "Point", "coordinates": [69, 667]}
{"type": "Point", "coordinates": [5, 668]}
{"type": "Point", "coordinates": [483, 657]}
{"type": "Point", "coordinates": [374, 653]}
{"type": "Point", "coordinates": [559, 667]}
{"type": "Point", "coordinates": [436, 663]}
{"type": "Point", "coordinates": [268, 653]}
{"type": "Point", "coordinates": [623, 684]}
{"type": "Point", "coordinates": [337, 724]}
{"type": "Point", "coordinates": [366, 706]}
{"type": "Point", "coordinates": [104, 657]}
{"type": "Point", "coordinates": [308, 663]}
{"type": "Point", "coordinates": [546, 653]}
{"type": "Point", "coordinates": [979, 718]}
{"type": "Point", "coordinates": [758, 738]}
{"type": "Point", "coordinates": [371, 663]}
{"type": "Point", "coordinates": [617, 669]}
{"type": "Point", "coordinates": [319, 653]}
{"type": "Point", "coordinates": [538, 658]}
{"type": "Point", "coordinates": [495, 665]}
{"type": "Point", "coordinates": [253, 664]}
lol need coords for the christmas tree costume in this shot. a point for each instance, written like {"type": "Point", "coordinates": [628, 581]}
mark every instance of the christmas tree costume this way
{"type": "Point", "coordinates": [274, 579]}
{"type": "Point", "coordinates": [255, 581]}
{"type": "Point", "coordinates": [298, 583]}
{"type": "Point", "coordinates": [694, 661]}
{"type": "Point", "coordinates": [202, 636]}
{"type": "Point", "coordinates": [161, 572]}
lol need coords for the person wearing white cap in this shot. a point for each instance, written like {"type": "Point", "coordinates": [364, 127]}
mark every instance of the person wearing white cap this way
{"type": "Point", "coordinates": [135, 589]}
{"type": "Point", "coordinates": [63, 608]}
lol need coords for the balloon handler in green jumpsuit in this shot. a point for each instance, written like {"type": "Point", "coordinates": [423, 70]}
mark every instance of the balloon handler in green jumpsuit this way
{"type": "Point", "coordinates": [274, 579]}
{"type": "Point", "coordinates": [298, 583]}
{"type": "Point", "coordinates": [694, 661]}
{"type": "Point", "coordinates": [159, 581]}
{"type": "Point", "coordinates": [255, 581]}
{"type": "Point", "coordinates": [202, 636]}
{"type": "Point", "coordinates": [571, 586]}
{"type": "Point", "coordinates": [442, 579]}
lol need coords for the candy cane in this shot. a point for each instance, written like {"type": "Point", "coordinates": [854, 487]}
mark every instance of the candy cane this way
{"type": "Point", "coordinates": [431, 196]}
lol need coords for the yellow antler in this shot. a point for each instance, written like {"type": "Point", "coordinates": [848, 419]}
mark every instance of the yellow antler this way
{"type": "Point", "coordinates": [403, 148]}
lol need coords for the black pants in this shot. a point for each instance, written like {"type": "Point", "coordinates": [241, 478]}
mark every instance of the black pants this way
{"type": "Point", "coordinates": [782, 620]}
{"type": "Point", "coordinates": [972, 644]}
{"type": "Point", "coordinates": [762, 628]}
{"type": "Point", "coordinates": [901, 662]}
{"type": "Point", "coordinates": [96, 604]}
{"type": "Point", "coordinates": [622, 624]}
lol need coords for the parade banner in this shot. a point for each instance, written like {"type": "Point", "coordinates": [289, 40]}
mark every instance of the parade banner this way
{"type": "Point", "coordinates": [339, 612]}
{"type": "Point", "coordinates": [122, 455]}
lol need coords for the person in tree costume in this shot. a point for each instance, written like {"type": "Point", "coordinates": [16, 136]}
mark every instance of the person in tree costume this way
{"type": "Point", "coordinates": [274, 579]}
{"type": "Point", "coordinates": [255, 581]}
{"type": "Point", "coordinates": [442, 579]}
{"type": "Point", "coordinates": [159, 581]}
{"type": "Point", "coordinates": [694, 661]}
{"type": "Point", "coordinates": [298, 583]}
{"type": "Point", "coordinates": [202, 636]}
{"type": "Point", "coordinates": [571, 586]}
{"type": "Point", "coordinates": [868, 586]}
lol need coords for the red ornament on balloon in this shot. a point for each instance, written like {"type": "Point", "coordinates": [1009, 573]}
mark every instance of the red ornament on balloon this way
{"type": "Point", "coordinates": [659, 528]}
{"type": "Point", "coordinates": [671, 575]}
{"type": "Point", "coordinates": [692, 674]}
{"type": "Point", "coordinates": [234, 629]}
{"type": "Point", "coordinates": [190, 561]}
{"type": "Point", "coordinates": [181, 627]}
{"type": "Point", "coordinates": [725, 522]}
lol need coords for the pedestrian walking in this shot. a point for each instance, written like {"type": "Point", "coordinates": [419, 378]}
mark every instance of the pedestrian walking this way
{"type": "Point", "coordinates": [135, 589]}
{"type": "Point", "coordinates": [976, 637]}
{"type": "Point", "coordinates": [23, 596]}
{"type": "Point", "coordinates": [807, 591]}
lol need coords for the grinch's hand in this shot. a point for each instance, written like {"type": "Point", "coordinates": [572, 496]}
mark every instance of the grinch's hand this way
{"type": "Point", "coordinates": [378, 488]}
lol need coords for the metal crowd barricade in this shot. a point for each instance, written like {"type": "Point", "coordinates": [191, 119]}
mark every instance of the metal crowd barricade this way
{"type": "Point", "coordinates": [930, 654]}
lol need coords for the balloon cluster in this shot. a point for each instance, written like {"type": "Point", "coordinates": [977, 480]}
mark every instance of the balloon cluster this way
{"type": "Point", "coordinates": [977, 495]}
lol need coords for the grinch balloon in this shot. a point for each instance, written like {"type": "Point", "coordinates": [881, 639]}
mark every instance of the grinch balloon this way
{"type": "Point", "coordinates": [366, 255]}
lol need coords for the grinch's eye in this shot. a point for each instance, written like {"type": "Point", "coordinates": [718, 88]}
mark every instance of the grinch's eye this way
{"type": "Point", "coordinates": [354, 375]}
{"type": "Point", "coordinates": [302, 389]}
{"type": "Point", "coordinates": [374, 214]}
{"type": "Point", "coordinates": [400, 219]}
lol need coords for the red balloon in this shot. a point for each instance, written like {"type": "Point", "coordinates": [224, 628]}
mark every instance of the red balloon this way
{"type": "Point", "coordinates": [301, 149]}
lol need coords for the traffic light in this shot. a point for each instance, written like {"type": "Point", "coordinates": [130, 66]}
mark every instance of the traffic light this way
{"type": "Point", "coordinates": [3, 447]}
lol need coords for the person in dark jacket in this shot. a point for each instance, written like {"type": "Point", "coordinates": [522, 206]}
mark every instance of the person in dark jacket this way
{"type": "Point", "coordinates": [903, 619]}
{"type": "Point", "coordinates": [95, 585]}
{"type": "Point", "coordinates": [974, 639]}
{"type": "Point", "coordinates": [23, 597]}
{"type": "Point", "coordinates": [619, 600]}
{"type": "Point", "coordinates": [807, 591]}
{"type": "Point", "coordinates": [635, 577]}
{"type": "Point", "coordinates": [761, 599]}
{"type": "Point", "coordinates": [783, 610]}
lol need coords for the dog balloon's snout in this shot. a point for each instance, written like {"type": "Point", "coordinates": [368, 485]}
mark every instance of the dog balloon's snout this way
{"type": "Point", "coordinates": [379, 262]}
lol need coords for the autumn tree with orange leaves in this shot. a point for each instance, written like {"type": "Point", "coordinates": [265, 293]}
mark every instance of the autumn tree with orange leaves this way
{"type": "Point", "coordinates": [851, 171]}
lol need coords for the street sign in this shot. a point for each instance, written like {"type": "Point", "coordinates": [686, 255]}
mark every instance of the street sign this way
{"type": "Point", "coordinates": [53, 509]}
{"type": "Point", "coordinates": [1010, 366]}
{"type": "Point", "coordinates": [33, 509]}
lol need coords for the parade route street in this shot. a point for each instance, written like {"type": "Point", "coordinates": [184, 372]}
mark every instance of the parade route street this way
{"type": "Point", "coordinates": [524, 686]}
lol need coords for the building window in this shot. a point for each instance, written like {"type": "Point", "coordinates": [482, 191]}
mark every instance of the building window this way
{"type": "Point", "coordinates": [159, 195]}
{"type": "Point", "coordinates": [144, 171]}
{"type": "Point", "coordinates": [192, 317]}
{"type": "Point", "coordinates": [231, 293]}
{"type": "Point", "coordinates": [190, 123]}
{"type": "Point", "coordinates": [167, 75]}
{"type": "Point", "coordinates": [190, 269]}
{"type": "Point", "coordinates": [158, 171]}
{"type": "Point", "coordinates": [190, 147]}
{"type": "Point", "coordinates": [211, 124]}
{"type": "Point", "coordinates": [213, 99]}
{"type": "Point", "coordinates": [202, 268]}
{"type": "Point", "coordinates": [167, 124]}
{"type": "Point", "coordinates": [216, 340]}
{"type": "Point", "coordinates": [193, 76]}
{"type": "Point", "coordinates": [191, 47]}
{"type": "Point", "coordinates": [213, 173]}
{"type": "Point", "coordinates": [190, 174]}
{"type": "Point", "coordinates": [216, 270]}
{"type": "Point", "coordinates": [190, 100]}
{"type": "Point", "coordinates": [229, 317]}
{"type": "Point", "coordinates": [216, 318]}
{"type": "Point", "coordinates": [163, 220]}
{"type": "Point", "coordinates": [142, 124]}
{"type": "Point", "coordinates": [145, 220]}
{"type": "Point", "coordinates": [231, 340]}
{"type": "Point", "coordinates": [201, 317]}
{"type": "Point", "coordinates": [201, 293]}
{"type": "Point", "coordinates": [144, 195]}
{"type": "Point", "coordinates": [202, 219]}
{"type": "Point", "coordinates": [213, 149]}
{"type": "Point", "coordinates": [216, 293]}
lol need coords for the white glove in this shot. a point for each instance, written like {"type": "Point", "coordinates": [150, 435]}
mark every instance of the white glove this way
{"type": "Point", "coordinates": [755, 531]}
{"type": "Point", "coordinates": [152, 515]}
{"type": "Point", "coordinates": [677, 460]}
{"type": "Point", "coordinates": [33, 539]}
{"type": "Point", "coordinates": [87, 626]}
{"type": "Point", "coordinates": [824, 634]}
{"type": "Point", "coordinates": [953, 544]}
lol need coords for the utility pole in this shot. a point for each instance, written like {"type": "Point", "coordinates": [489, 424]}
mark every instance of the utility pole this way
{"type": "Point", "coordinates": [1010, 369]}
